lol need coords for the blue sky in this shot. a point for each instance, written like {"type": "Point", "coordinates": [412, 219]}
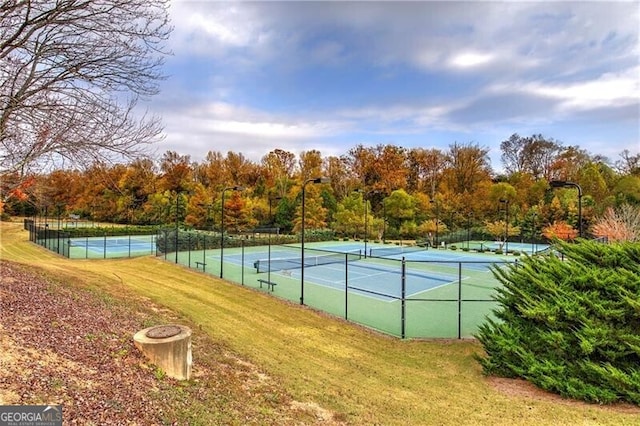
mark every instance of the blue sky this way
{"type": "Point", "coordinates": [251, 77]}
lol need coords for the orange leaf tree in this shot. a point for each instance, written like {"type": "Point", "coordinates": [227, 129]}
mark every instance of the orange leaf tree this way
{"type": "Point", "coordinates": [560, 230]}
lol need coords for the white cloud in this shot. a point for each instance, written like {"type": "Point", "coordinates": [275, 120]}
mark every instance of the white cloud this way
{"type": "Point", "coordinates": [272, 130]}
{"type": "Point", "coordinates": [610, 89]}
{"type": "Point", "coordinates": [222, 126]}
{"type": "Point", "coordinates": [212, 28]}
{"type": "Point", "coordinates": [470, 59]}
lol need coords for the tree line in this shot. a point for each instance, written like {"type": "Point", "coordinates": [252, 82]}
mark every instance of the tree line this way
{"type": "Point", "coordinates": [384, 190]}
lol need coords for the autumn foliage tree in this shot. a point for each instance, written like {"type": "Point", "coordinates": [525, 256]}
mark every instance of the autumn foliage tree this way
{"type": "Point", "coordinates": [560, 230]}
{"type": "Point", "coordinates": [500, 231]}
{"type": "Point", "coordinates": [621, 224]}
{"type": "Point", "coordinates": [436, 188]}
{"type": "Point", "coordinates": [315, 216]}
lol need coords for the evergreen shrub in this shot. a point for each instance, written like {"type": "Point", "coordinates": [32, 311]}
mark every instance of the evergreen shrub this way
{"type": "Point", "coordinates": [570, 324]}
{"type": "Point", "coordinates": [198, 240]}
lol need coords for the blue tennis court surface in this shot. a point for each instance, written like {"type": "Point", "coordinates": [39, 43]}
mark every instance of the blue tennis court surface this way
{"type": "Point", "coordinates": [409, 292]}
{"type": "Point", "coordinates": [334, 266]}
{"type": "Point", "coordinates": [114, 245]}
{"type": "Point", "coordinates": [373, 280]}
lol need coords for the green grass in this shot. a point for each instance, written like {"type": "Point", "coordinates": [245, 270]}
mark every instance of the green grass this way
{"type": "Point", "coordinates": [365, 377]}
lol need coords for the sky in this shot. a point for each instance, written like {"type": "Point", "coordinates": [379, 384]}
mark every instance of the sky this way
{"type": "Point", "coordinates": [251, 77]}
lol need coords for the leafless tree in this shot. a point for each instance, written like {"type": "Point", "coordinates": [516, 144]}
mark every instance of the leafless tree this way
{"type": "Point", "coordinates": [71, 75]}
{"type": "Point", "coordinates": [534, 154]}
{"type": "Point", "coordinates": [628, 163]}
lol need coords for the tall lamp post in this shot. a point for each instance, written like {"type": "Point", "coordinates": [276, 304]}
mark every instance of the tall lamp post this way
{"type": "Point", "coordinates": [304, 185]}
{"type": "Point", "coordinates": [366, 224]}
{"type": "Point", "coordinates": [59, 213]}
{"type": "Point", "coordinates": [567, 184]}
{"type": "Point", "coordinates": [469, 215]}
{"type": "Point", "coordinates": [384, 221]}
{"type": "Point", "coordinates": [435, 203]}
{"type": "Point", "coordinates": [271, 223]}
{"type": "Point", "coordinates": [229, 188]}
{"type": "Point", "coordinates": [533, 233]}
{"type": "Point", "coordinates": [177, 222]}
{"type": "Point", "coordinates": [506, 224]}
{"type": "Point", "coordinates": [271, 200]}
{"type": "Point", "coordinates": [207, 226]}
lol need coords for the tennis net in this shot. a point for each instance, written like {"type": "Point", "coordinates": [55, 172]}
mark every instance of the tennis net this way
{"type": "Point", "coordinates": [279, 264]}
{"type": "Point", "coordinates": [392, 251]}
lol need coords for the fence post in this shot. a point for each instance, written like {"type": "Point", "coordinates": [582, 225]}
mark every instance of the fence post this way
{"type": "Point", "coordinates": [402, 295]}
{"type": "Point", "coordinates": [166, 242]}
{"type": "Point", "coordinates": [269, 254]}
{"type": "Point", "coordinates": [176, 240]}
{"type": "Point", "coordinates": [204, 252]}
{"type": "Point", "coordinates": [189, 248]}
{"type": "Point", "coordinates": [459, 300]}
{"type": "Point", "coordinates": [346, 285]}
{"type": "Point", "coordinates": [242, 262]}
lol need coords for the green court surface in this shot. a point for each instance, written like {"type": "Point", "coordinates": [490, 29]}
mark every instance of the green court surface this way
{"type": "Point", "coordinates": [411, 294]}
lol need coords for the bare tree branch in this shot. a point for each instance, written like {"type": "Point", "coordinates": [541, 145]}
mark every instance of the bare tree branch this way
{"type": "Point", "coordinates": [71, 75]}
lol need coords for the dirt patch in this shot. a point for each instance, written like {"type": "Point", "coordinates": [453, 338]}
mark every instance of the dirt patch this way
{"type": "Point", "coordinates": [522, 388]}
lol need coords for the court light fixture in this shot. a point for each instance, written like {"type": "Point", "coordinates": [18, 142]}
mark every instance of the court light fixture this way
{"type": "Point", "coordinates": [567, 184]}
{"type": "Point", "coordinates": [304, 186]}
{"type": "Point", "coordinates": [229, 188]}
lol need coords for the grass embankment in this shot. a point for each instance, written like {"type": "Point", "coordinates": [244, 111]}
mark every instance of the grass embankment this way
{"type": "Point", "coordinates": [364, 377]}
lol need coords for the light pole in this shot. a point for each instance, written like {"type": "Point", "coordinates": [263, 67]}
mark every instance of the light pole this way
{"type": "Point", "coordinates": [59, 212]}
{"type": "Point", "coordinates": [177, 222]}
{"type": "Point", "coordinates": [229, 188]}
{"type": "Point", "coordinates": [271, 199]}
{"type": "Point", "coordinates": [533, 233]}
{"type": "Point", "coordinates": [567, 184]}
{"type": "Point", "coordinates": [304, 185]}
{"type": "Point", "coordinates": [506, 224]}
{"type": "Point", "coordinates": [270, 228]}
{"type": "Point", "coordinates": [435, 203]}
{"type": "Point", "coordinates": [207, 226]}
{"type": "Point", "coordinates": [469, 229]}
{"type": "Point", "coordinates": [384, 220]}
{"type": "Point", "coordinates": [366, 227]}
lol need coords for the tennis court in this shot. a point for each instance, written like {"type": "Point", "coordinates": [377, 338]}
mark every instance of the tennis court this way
{"type": "Point", "coordinates": [429, 293]}
{"type": "Point", "coordinates": [528, 248]}
{"type": "Point", "coordinates": [110, 247]}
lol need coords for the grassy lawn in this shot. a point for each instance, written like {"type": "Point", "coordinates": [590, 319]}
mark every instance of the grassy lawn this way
{"type": "Point", "coordinates": [364, 377]}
